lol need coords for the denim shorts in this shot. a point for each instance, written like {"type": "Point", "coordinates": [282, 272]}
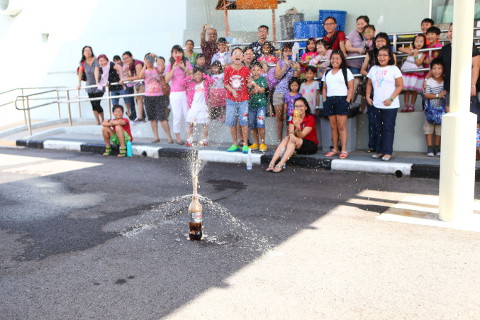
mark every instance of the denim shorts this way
{"type": "Point", "coordinates": [236, 110]}
{"type": "Point", "coordinates": [256, 117]}
{"type": "Point", "coordinates": [129, 100]}
{"type": "Point", "coordinates": [336, 106]}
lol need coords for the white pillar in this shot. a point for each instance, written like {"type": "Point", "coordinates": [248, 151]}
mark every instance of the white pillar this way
{"type": "Point", "coordinates": [457, 163]}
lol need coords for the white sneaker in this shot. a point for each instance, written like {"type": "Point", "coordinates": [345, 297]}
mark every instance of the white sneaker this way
{"type": "Point", "coordinates": [430, 154]}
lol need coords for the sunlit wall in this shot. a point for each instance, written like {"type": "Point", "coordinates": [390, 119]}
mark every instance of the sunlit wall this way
{"type": "Point", "coordinates": [41, 46]}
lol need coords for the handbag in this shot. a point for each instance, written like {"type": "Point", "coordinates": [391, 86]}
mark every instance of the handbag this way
{"type": "Point", "coordinates": [165, 86]}
{"type": "Point", "coordinates": [433, 114]}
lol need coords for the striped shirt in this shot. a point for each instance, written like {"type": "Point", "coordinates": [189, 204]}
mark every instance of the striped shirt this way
{"type": "Point", "coordinates": [433, 87]}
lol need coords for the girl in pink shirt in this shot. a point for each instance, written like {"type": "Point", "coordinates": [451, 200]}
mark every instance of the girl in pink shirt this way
{"type": "Point", "coordinates": [176, 71]}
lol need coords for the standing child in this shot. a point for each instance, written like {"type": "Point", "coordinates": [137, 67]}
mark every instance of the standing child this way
{"type": "Point", "coordinates": [310, 89]}
{"type": "Point", "coordinates": [197, 93]}
{"type": "Point", "coordinates": [268, 59]}
{"type": "Point", "coordinates": [294, 93]}
{"type": "Point", "coordinates": [218, 94]}
{"type": "Point", "coordinates": [433, 34]}
{"type": "Point", "coordinates": [412, 81]}
{"type": "Point", "coordinates": [222, 55]}
{"type": "Point", "coordinates": [116, 131]}
{"type": "Point", "coordinates": [235, 81]}
{"type": "Point", "coordinates": [337, 94]}
{"type": "Point", "coordinates": [310, 53]}
{"type": "Point", "coordinates": [201, 63]}
{"type": "Point", "coordinates": [257, 107]}
{"type": "Point", "coordinates": [435, 107]}
{"type": "Point", "coordinates": [176, 71]}
{"type": "Point", "coordinates": [322, 60]}
{"type": "Point", "coordinates": [156, 101]}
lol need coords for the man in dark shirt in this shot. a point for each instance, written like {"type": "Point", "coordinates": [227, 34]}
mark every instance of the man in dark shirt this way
{"type": "Point", "coordinates": [446, 57]}
{"type": "Point", "coordinates": [209, 48]}
{"type": "Point", "coordinates": [262, 38]}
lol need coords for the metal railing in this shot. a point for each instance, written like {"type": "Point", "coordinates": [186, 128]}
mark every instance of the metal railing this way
{"type": "Point", "coordinates": [59, 99]}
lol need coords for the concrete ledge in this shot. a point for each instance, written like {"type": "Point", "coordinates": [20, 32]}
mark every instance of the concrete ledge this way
{"type": "Point", "coordinates": [62, 145]}
{"type": "Point", "coordinates": [227, 157]}
{"type": "Point", "coordinates": [145, 151]}
{"type": "Point", "coordinates": [399, 169]}
{"type": "Point", "coordinates": [174, 153]}
{"type": "Point", "coordinates": [30, 143]}
{"type": "Point", "coordinates": [302, 161]}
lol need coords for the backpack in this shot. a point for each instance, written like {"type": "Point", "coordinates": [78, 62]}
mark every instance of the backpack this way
{"type": "Point", "coordinates": [84, 75]}
{"type": "Point", "coordinates": [434, 115]}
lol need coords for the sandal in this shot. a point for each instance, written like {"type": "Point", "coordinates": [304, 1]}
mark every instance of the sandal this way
{"type": "Point", "coordinates": [343, 155]}
{"type": "Point", "coordinates": [270, 167]}
{"type": "Point", "coordinates": [332, 153]}
{"type": "Point", "coordinates": [406, 108]}
{"type": "Point", "coordinates": [122, 152]}
{"type": "Point", "coordinates": [275, 170]}
{"type": "Point", "coordinates": [107, 151]}
{"type": "Point", "coordinates": [411, 109]}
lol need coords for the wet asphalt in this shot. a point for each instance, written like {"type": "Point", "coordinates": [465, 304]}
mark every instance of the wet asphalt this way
{"type": "Point", "coordinates": [105, 239]}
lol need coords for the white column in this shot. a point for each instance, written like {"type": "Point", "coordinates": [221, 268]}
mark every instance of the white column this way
{"type": "Point", "coordinates": [457, 163]}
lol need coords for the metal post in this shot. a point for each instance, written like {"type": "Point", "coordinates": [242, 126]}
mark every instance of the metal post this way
{"type": "Point", "coordinates": [58, 105]}
{"type": "Point", "coordinates": [29, 124]}
{"type": "Point", "coordinates": [457, 163]}
{"type": "Point", "coordinates": [109, 103]}
{"type": "Point", "coordinates": [79, 104]}
{"type": "Point", "coordinates": [24, 112]}
{"type": "Point", "coordinates": [70, 122]}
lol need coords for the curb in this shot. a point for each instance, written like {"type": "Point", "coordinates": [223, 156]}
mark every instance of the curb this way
{"type": "Point", "coordinates": [393, 168]}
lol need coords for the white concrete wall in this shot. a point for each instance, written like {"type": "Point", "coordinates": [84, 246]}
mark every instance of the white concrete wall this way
{"type": "Point", "coordinates": [109, 26]}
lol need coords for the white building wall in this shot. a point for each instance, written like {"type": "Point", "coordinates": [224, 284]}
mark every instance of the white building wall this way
{"type": "Point", "coordinates": [109, 26]}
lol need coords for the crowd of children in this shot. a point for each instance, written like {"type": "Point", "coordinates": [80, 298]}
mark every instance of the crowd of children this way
{"type": "Point", "coordinates": [237, 87]}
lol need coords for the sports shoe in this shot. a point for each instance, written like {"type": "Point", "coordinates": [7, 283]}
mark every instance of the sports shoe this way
{"type": "Point", "coordinates": [437, 154]}
{"type": "Point", "coordinates": [233, 148]}
{"type": "Point", "coordinates": [189, 143]}
{"type": "Point", "coordinates": [204, 143]}
{"type": "Point", "coordinates": [430, 154]}
{"type": "Point", "coordinates": [263, 147]}
{"type": "Point", "coordinates": [254, 146]}
{"type": "Point", "coordinates": [245, 149]}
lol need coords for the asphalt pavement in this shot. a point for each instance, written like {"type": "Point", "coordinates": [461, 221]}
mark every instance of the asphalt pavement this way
{"type": "Point", "coordinates": [91, 237]}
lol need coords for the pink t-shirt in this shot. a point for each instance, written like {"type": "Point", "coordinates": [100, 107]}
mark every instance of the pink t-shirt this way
{"type": "Point", "coordinates": [153, 86]}
{"type": "Point", "coordinates": [177, 78]}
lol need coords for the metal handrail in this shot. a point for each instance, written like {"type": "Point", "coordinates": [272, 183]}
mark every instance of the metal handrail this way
{"type": "Point", "coordinates": [25, 100]}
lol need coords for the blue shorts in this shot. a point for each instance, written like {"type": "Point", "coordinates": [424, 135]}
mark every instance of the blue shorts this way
{"type": "Point", "coordinates": [256, 117]}
{"type": "Point", "coordinates": [236, 110]}
{"type": "Point", "coordinates": [336, 106]}
{"type": "Point", "coordinates": [354, 70]}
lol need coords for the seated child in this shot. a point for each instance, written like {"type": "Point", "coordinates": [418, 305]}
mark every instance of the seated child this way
{"type": "Point", "coordinates": [197, 86]}
{"type": "Point", "coordinates": [434, 107]}
{"type": "Point", "coordinates": [117, 132]}
{"type": "Point", "coordinates": [257, 107]}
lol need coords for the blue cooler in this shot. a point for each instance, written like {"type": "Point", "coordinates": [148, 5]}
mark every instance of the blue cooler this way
{"type": "Point", "coordinates": [306, 29]}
